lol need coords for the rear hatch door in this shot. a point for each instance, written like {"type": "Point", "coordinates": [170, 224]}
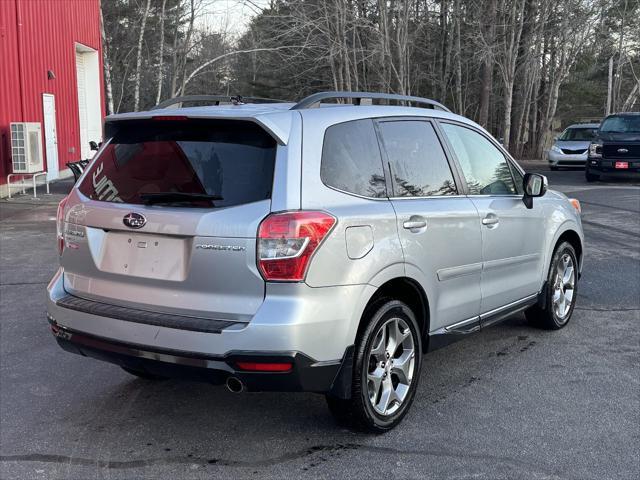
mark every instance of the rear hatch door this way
{"type": "Point", "coordinates": [165, 218]}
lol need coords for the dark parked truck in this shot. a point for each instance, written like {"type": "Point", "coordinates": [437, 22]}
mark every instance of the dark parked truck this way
{"type": "Point", "coordinates": [616, 148]}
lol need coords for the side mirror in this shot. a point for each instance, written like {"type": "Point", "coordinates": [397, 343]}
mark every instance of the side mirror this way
{"type": "Point", "coordinates": [535, 185]}
{"type": "Point", "coordinates": [93, 145]}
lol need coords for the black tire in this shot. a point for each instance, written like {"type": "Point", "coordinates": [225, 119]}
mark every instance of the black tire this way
{"type": "Point", "coordinates": [545, 316]}
{"type": "Point", "coordinates": [144, 375]}
{"type": "Point", "coordinates": [591, 177]}
{"type": "Point", "coordinates": [357, 412]}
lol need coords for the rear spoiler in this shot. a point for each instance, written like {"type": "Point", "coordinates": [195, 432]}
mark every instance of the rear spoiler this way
{"type": "Point", "coordinates": [277, 124]}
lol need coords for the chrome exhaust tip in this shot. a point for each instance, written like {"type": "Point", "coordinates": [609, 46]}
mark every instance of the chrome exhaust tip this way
{"type": "Point", "coordinates": [234, 385]}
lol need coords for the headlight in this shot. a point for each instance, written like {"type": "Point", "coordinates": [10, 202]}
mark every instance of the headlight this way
{"type": "Point", "coordinates": [556, 149]}
{"type": "Point", "coordinates": [595, 150]}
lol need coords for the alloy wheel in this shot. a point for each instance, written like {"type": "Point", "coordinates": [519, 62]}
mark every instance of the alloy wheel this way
{"type": "Point", "coordinates": [391, 365]}
{"type": "Point", "coordinates": [564, 286]}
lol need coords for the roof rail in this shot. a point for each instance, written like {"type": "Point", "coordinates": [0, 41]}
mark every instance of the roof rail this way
{"type": "Point", "coordinates": [216, 100]}
{"type": "Point", "coordinates": [316, 98]}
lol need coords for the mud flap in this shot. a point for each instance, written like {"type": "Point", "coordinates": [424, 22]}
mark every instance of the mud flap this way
{"type": "Point", "coordinates": [341, 387]}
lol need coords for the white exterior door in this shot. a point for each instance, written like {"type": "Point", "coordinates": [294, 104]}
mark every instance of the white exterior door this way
{"type": "Point", "coordinates": [50, 136]}
{"type": "Point", "coordinates": [82, 104]}
{"type": "Point", "coordinates": [89, 101]}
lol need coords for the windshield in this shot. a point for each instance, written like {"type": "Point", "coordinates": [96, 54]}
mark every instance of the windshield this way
{"type": "Point", "coordinates": [578, 134]}
{"type": "Point", "coordinates": [622, 124]}
{"type": "Point", "coordinates": [183, 162]}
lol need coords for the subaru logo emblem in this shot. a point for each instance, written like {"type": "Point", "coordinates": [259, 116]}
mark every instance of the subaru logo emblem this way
{"type": "Point", "coordinates": [134, 220]}
{"type": "Point", "coordinates": [623, 150]}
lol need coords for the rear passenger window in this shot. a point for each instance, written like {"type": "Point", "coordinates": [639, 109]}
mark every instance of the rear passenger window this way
{"type": "Point", "coordinates": [351, 159]}
{"type": "Point", "coordinates": [418, 164]}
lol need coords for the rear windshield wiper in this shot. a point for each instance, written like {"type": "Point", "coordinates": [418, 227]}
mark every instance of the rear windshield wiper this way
{"type": "Point", "coordinates": [176, 197]}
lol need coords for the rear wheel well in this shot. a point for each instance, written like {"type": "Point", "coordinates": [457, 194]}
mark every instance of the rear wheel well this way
{"type": "Point", "coordinates": [574, 239]}
{"type": "Point", "coordinates": [408, 291]}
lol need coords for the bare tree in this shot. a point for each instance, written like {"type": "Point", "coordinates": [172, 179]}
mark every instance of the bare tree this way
{"type": "Point", "coordinates": [161, 53]}
{"type": "Point", "coordinates": [136, 81]}
{"type": "Point", "coordinates": [458, 57]}
{"type": "Point", "coordinates": [187, 47]}
{"type": "Point", "coordinates": [632, 98]}
{"type": "Point", "coordinates": [206, 64]}
{"type": "Point", "coordinates": [618, 78]}
{"type": "Point", "coordinates": [513, 65]}
{"type": "Point", "coordinates": [107, 67]}
{"type": "Point", "coordinates": [512, 25]}
{"type": "Point", "coordinates": [568, 39]}
{"type": "Point", "coordinates": [488, 35]}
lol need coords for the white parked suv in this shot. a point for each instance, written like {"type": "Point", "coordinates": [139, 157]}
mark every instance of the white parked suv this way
{"type": "Point", "coordinates": [316, 246]}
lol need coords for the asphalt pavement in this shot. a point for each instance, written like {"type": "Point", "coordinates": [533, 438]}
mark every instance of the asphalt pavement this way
{"type": "Point", "coordinates": [509, 402]}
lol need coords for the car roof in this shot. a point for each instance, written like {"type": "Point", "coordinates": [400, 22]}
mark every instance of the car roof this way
{"type": "Point", "coordinates": [277, 118]}
{"type": "Point", "coordinates": [624, 114]}
{"type": "Point", "coordinates": [584, 125]}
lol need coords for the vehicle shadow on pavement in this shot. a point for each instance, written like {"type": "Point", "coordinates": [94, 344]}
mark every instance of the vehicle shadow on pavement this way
{"type": "Point", "coordinates": [469, 391]}
{"type": "Point", "coordinates": [197, 417]}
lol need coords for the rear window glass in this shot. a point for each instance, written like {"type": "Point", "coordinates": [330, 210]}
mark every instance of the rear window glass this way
{"type": "Point", "coordinates": [622, 124]}
{"type": "Point", "coordinates": [351, 159]}
{"type": "Point", "coordinates": [230, 161]}
{"type": "Point", "coordinates": [579, 134]}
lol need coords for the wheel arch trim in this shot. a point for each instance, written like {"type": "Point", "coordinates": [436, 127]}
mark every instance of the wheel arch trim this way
{"type": "Point", "coordinates": [569, 228]}
{"type": "Point", "coordinates": [392, 277]}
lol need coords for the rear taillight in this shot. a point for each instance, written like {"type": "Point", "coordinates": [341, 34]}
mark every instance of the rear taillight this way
{"type": "Point", "coordinates": [287, 241]}
{"type": "Point", "coordinates": [60, 225]}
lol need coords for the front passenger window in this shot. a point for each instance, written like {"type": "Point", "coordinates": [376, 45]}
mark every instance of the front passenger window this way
{"type": "Point", "coordinates": [484, 166]}
{"type": "Point", "coordinates": [519, 179]}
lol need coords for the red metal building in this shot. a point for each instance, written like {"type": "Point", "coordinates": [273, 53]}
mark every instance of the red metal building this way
{"type": "Point", "coordinates": [51, 73]}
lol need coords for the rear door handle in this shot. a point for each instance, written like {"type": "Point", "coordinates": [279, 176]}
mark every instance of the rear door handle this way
{"type": "Point", "coordinates": [415, 223]}
{"type": "Point", "coordinates": [490, 220]}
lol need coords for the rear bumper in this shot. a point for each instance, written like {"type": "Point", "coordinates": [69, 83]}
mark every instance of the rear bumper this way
{"type": "Point", "coordinates": [312, 326]}
{"type": "Point", "coordinates": [305, 374]}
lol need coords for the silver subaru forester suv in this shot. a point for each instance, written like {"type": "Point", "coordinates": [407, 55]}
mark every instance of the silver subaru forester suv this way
{"type": "Point", "coordinates": [322, 246]}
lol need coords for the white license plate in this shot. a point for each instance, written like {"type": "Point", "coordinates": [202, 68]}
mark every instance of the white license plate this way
{"type": "Point", "coordinates": [144, 255]}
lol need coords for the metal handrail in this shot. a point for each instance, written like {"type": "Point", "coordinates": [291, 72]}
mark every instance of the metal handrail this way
{"type": "Point", "coordinates": [311, 100]}
{"type": "Point", "coordinates": [216, 100]}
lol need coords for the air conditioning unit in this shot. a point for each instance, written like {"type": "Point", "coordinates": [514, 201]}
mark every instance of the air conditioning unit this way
{"type": "Point", "coordinates": [26, 147]}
